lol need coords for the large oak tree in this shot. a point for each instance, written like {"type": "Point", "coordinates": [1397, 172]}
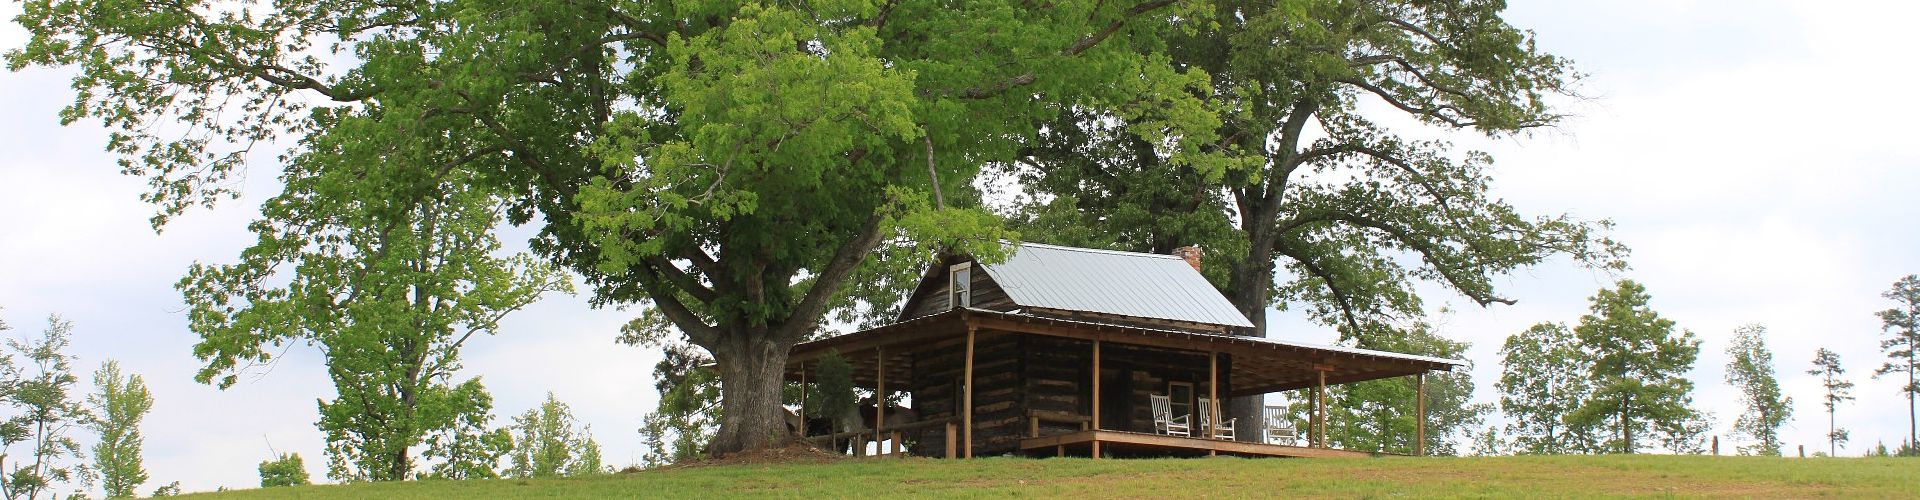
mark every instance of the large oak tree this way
{"type": "Point", "coordinates": [1301, 196]}
{"type": "Point", "coordinates": [730, 165]}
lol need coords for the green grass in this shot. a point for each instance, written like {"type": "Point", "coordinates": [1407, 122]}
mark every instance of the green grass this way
{"type": "Point", "coordinates": [1604, 476]}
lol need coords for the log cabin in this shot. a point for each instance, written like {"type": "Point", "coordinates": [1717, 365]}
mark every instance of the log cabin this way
{"type": "Point", "coordinates": [1062, 351]}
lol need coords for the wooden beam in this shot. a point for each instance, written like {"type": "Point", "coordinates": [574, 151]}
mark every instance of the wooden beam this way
{"type": "Point", "coordinates": [952, 451]}
{"type": "Point", "coordinates": [894, 335]}
{"type": "Point", "coordinates": [1420, 412]}
{"type": "Point", "coordinates": [966, 423]}
{"type": "Point", "coordinates": [1139, 440]}
{"type": "Point", "coordinates": [1372, 367]}
{"type": "Point", "coordinates": [1096, 396]}
{"type": "Point", "coordinates": [1321, 392]}
{"type": "Point", "coordinates": [803, 399]}
{"type": "Point", "coordinates": [879, 392]}
{"type": "Point", "coordinates": [1311, 382]}
{"type": "Point", "coordinates": [1213, 394]}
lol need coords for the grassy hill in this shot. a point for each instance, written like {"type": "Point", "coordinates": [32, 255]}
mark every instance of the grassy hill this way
{"type": "Point", "coordinates": [1685, 476]}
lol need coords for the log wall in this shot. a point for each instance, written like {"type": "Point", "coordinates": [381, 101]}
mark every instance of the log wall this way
{"type": "Point", "coordinates": [1017, 377]}
{"type": "Point", "coordinates": [997, 410]}
{"type": "Point", "coordinates": [934, 298]}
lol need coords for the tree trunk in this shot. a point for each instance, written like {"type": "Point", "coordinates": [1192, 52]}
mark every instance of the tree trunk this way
{"type": "Point", "coordinates": [1626, 425]}
{"type": "Point", "coordinates": [1249, 283]}
{"type": "Point", "coordinates": [750, 366]}
{"type": "Point", "coordinates": [400, 467]}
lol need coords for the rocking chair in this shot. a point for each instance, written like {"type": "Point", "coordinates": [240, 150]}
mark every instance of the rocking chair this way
{"type": "Point", "coordinates": [1280, 428]}
{"type": "Point", "coordinates": [1163, 420]}
{"type": "Point", "coordinates": [1223, 429]}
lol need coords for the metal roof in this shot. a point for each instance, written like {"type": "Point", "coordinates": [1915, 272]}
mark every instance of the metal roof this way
{"type": "Point", "coordinates": [1270, 365]}
{"type": "Point", "coordinates": [1112, 282]}
{"type": "Point", "coordinates": [1253, 340]}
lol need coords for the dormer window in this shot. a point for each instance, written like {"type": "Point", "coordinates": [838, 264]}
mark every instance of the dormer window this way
{"type": "Point", "coordinates": [960, 285]}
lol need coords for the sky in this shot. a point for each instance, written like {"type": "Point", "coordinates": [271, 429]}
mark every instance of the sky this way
{"type": "Point", "coordinates": [1752, 154]}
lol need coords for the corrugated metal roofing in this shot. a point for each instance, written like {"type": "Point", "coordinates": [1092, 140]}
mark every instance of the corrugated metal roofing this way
{"type": "Point", "coordinates": [1255, 340]}
{"type": "Point", "coordinates": [1112, 282]}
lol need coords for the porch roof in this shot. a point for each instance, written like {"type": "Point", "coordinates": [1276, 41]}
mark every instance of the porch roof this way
{"type": "Point", "coordinates": [1260, 365]}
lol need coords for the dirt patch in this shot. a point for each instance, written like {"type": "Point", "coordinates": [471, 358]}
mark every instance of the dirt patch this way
{"type": "Point", "coordinates": [795, 453]}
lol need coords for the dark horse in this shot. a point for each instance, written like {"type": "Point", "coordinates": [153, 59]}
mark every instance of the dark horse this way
{"type": "Point", "coordinates": [858, 419]}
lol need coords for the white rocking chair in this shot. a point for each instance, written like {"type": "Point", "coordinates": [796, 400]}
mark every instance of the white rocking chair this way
{"type": "Point", "coordinates": [1222, 431]}
{"type": "Point", "coordinates": [1163, 420]}
{"type": "Point", "coordinates": [1280, 428]}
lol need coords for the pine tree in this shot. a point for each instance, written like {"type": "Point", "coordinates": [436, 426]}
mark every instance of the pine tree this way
{"type": "Point", "coordinates": [1826, 365]}
{"type": "Point", "coordinates": [1902, 324]}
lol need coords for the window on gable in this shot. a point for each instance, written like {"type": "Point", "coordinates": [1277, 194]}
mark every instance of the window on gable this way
{"type": "Point", "coordinates": [960, 285]}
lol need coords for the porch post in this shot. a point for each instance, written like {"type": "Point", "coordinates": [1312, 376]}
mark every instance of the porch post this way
{"type": "Point", "coordinates": [1420, 412]}
{"type": "Point", "coordinates": [879, 396]}
{"type": "Point", "coordinates": [803, 399]}
{"type": "Point", "coordinates": [1095, 444]}
{"type": "Point", "coordinates": [1320, 401]}
{"type": "Point", "coordinates": [966, 418]}
{"type": "Point", "coordinates": [1213, 394]}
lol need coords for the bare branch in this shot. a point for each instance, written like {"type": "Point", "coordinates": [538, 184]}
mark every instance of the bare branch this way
{"type": "Point", "coordinates": [1437, 112]}
{"type": "Point", "coordinates": [1429, 253]}
{"type": "Point", "coordinates": [933, 175]}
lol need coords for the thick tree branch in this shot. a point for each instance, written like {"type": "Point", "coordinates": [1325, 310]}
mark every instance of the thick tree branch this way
{"type": "Point", "coordinates": [1092, 40]}
{"type": "Point", "coordinates": [290, 79]}
{"type": "Point", "coordinates": [827, 283]}
{"type": "Point", "coordinates": [1431, 254]}
{"type": "Point", "coordinates": [1084, 44]}
{"type": "Point", "coordinates": [698, 331]}
{"type": "Point", "coordinates": [1000, 87]}
{"type": "Point", "coordinates": [706, 265]}
{"type": "Point", "coordinates": [1276, 185]}
{"type": "Point", "coordinates": [1340, 296]}
{"type": "Point", "coordinates": [681, 280]}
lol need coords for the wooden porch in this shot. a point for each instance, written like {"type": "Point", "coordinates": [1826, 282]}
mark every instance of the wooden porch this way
{"type": "Point", "coordinates": [1122, 443]}
{"type": "Point", "coordinates": [1044, 386]}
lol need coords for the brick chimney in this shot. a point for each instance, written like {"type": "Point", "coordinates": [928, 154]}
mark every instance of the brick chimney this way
{"type": "Point", "coordinates": [1191, 253]}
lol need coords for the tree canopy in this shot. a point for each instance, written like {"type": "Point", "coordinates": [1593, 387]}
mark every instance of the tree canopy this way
{"type": "Point", "coordinates": [1543, 380]}
{"type": "Point", "coordinates": [39, 413]}
{"type": "Point", "coordinates": [1902, 345]}
{"type": "Point", "coordinates": [1638, 371]}
{"type": "Point", "coordinates": [118, 404]}
{"type": "Point", "coordinates": [729, 164]}
{"type": "Point", "coordinates": [1381, 415]}
{"type": "Point", "coordinates": [1764, 408]}
{"type": "Point", "coordinates": [1299, 196]}
{"type": "Point", "coordinates": [733, 166]}
{"type": "Point", "coordinates": [1826, 365]}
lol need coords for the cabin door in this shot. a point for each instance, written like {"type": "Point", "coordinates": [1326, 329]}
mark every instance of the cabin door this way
{"type": "Point", "coordinates": [1115, 385]}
